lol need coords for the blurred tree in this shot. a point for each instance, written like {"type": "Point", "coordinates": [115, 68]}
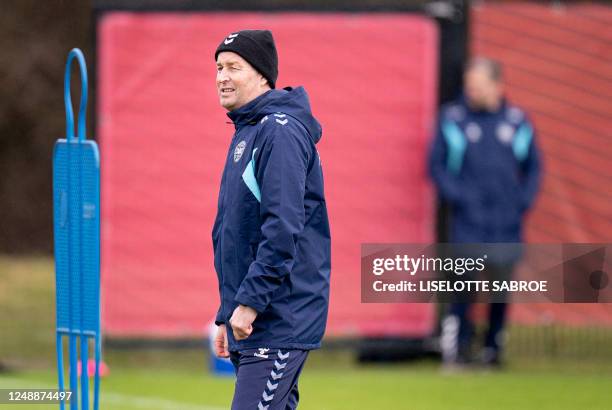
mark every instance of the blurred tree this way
{"type": "Point", "coordinates": [35, 38]}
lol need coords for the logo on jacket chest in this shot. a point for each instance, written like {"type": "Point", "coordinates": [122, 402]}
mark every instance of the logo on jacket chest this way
{"type": "Point", "coordinates": [473, 132]}
{"type": "Point", "coordinates": [239, 150]}
{"type": "Point", "coordinates": [504, 133]}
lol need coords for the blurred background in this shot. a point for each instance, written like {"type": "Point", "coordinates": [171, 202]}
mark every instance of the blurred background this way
{"type": "Point", "coordinates": [376, 73]}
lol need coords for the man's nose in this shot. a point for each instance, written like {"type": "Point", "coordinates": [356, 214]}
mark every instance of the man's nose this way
{"type": "Point", "coordinates": [222, 75]}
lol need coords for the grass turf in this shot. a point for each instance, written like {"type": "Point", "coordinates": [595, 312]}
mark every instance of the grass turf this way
{"type": "Point", "coordinates": [351, 387]}
{"type": "Point", "coordinates": [178, 380]}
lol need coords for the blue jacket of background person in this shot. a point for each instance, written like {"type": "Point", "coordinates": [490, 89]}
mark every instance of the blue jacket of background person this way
{"type": "Point", "coordinates": [271, 236]}
{"type": "Point", "coordinates": [487, 166]}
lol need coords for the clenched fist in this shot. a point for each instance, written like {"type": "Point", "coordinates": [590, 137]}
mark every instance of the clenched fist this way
{"type": "Point", "coordinates": [242, 321]}
{"type": "Point", "coordinates": [221, 342]}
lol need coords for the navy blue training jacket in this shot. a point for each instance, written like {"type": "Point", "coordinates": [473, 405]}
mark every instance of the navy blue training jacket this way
{"type": "Point", "coordinates": [271, 236]}
{"type": "Point", "coordinates": [487, 166]}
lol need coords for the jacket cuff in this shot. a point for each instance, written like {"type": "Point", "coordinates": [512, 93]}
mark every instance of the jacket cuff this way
{"type": "Point", "coordinates": [247, 301]}
{"type": "Point", "coordinates": [219, 318]}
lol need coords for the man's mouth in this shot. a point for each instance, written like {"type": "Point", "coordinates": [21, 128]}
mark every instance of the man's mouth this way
{"type": "Point", "coordinates": [227, 90]}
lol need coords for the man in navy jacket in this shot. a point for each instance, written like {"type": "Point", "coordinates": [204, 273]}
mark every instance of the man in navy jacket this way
{"type": "Point", "coordinates": [271, 235]}
{"type": "Point", "coordinates": [485, 164]}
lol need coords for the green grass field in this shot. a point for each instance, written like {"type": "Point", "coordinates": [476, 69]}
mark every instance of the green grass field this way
{"type": "Point", "coordinates": [350, 387]}
{"type": "Point", "coordinates": [157, 379]}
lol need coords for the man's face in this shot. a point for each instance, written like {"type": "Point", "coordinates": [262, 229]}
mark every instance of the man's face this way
{"type": "Point", "coordinates": [237, 81]}
{"type": "Point", "coordinates": [482, 91]}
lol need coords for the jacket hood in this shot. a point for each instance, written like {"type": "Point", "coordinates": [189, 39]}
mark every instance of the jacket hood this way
{"type": "Point", "coordinates": [290, 101]}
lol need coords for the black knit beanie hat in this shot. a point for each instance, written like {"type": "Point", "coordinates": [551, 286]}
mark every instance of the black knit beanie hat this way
{"type": "Point", "coordinates": [257, 47]}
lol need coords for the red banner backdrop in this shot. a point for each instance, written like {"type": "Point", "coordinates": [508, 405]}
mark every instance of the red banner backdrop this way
{"type": "Point", "coordinates": [557, 67]}
{"type": "Point", "coordinates": [372, 84]}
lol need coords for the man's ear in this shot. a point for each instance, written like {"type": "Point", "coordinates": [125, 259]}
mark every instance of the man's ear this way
{"type": "Point", "coordinates": [263, 81]}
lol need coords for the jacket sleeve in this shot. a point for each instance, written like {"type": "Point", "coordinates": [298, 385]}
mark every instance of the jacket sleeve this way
{"type": "Point", "coordinates": [219, 318]}
{"type": "Point", "coordinates": [447, 183]}
{"type": "Point", "coordinates": [281, 168]}
{"type": "Point", "coordinates": [531, 172]}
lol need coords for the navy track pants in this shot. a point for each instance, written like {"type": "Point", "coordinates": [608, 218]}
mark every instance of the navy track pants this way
{"type": "Point", "coordinates": [267, 379]}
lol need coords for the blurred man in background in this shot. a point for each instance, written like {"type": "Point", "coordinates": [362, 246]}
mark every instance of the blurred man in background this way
{"type": "Point", "coordinates": [485, 164]}
{"type": "Point", "coordinates": [271, 235]}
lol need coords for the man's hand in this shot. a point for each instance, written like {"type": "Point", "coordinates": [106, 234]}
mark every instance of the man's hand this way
{"type": "Point", "coordinates": [242, 321]}
{"type": "Point", "coordinates": [221, 342]}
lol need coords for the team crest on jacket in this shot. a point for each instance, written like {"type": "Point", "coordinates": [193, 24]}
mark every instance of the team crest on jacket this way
{"type": "Point", "coordinates": [505, 132]}
{"type": "Point", "coordinates": [473, 132]}
{"type": "Point", "coordinates": [239, 150]}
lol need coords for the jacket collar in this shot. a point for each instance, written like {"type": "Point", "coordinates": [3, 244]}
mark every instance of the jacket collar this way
{"type": "Point", "coordinates": [247, 114]}
{"type": "Point", "coordinates": [502, 106]}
